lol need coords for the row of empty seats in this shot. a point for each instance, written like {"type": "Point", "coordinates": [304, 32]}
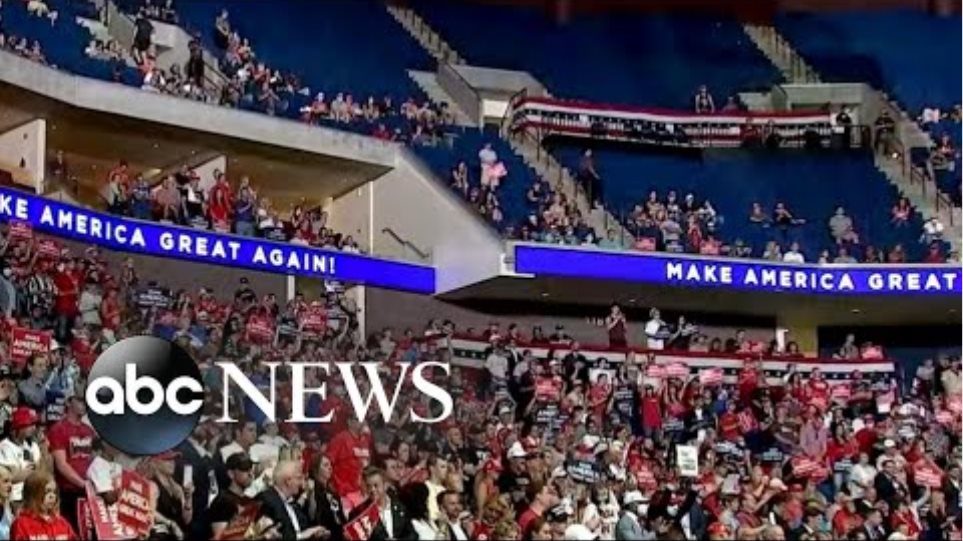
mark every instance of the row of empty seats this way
{"type": "Point", "coordinates": [653, 59]}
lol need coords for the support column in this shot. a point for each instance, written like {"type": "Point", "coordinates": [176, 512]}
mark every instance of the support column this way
{"type": "Point", "coordinates": [801, 330]}
{"type": "Point", "coordinates": [23, 151]}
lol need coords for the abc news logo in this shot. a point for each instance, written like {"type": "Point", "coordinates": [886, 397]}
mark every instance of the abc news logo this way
{"type": "Point", "coordinates": [147, 383]}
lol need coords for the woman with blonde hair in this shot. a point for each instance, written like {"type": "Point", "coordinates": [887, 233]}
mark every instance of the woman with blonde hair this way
{"type": "Point", "coordinates": [39, 518]}
{"type": "Point", "coordinates": [173, 505]}
{"type": "Point", "coordinates": [6, 486]}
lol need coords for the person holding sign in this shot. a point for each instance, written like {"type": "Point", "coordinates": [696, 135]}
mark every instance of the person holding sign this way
{"type": "Point", "coordinates": [173, 507]}
{"type": "Point", "coordinates": [39, 517]}
{"type": "Point", "coordinates": [225, 510]}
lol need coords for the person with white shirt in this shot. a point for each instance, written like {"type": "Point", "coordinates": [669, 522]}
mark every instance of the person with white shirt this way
{"type": "Point", "coordinates": [19, 453]}
{"type": "Point", "coordinates": [105, 472]}
{"type": "Point", "coordinates": [497, 366]}
{"type": "Point", "coordinates": [861, 476]}
{"type": "Point", "coordinates": [655, 330]}
{"type": "Point", "coordinates": [793, 255]}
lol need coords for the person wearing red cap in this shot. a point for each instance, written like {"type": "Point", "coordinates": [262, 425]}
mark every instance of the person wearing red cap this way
{"type": "Point", "coordinates": [19, 453]}
{"type": "Point", "coordinates": [174, 509]}
{"type": "Point", "coordinates": [39, 518]}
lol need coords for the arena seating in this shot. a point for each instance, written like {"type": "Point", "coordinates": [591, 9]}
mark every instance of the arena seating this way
{"type": "Point", "coordinates": [607, 58]}
{"type": "Point", "coordinates": [923, 70]}
{"type": "Point", "coordinates": [324, 45]}
{"type": "Point", "coordinates": [811, 185]}
{"type": "Point", "coordinates": [63, 42]}
{"type": "Point", "coordinates": [467, 143]}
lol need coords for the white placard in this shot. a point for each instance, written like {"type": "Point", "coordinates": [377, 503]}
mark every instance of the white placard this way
{"type": "Point", "coordinates": [687, 459]}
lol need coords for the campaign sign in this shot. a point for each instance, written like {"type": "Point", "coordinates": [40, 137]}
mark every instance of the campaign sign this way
{"type": "Point", "coordinates": [363, 525]}
{"type": "Point", "coordinates": [583, 471]}
{"type": "Point", "coordinates": [239, 525]}
{"type": "Point", "coordinates": [26, 342]}
{"type": "Point", "coordinates": [726, 273]}
{"type": "Point", "coordinates": [133, 503]}
{"type": "Point", "coordinates": [209, 247]}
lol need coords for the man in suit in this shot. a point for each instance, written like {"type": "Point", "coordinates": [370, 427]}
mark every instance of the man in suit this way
{"type": "Point", "coordinates": [393, 520]}
{"type": "Point", "coordinates": [628, 527]}
{"type": "Point", "coordinates": [886, 482]}
{"type": "Point", "coordinates": [873, 526]}
{"type": "Point", "coordinates": [278, 503]}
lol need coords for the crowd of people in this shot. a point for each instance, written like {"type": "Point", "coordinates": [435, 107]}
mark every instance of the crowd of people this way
{"type": "Point", "coordinates": [181, 198]}
{"type": "Point", "coordinates": [538, 447]}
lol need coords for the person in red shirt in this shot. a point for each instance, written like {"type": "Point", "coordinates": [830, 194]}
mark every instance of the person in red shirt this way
{"type": "Point", "coordinates": [818, 388]}
{"type": "Point", "coordinates": [729, 426]}
{"type": "Point", "coordinates": [39, 518]}
{"type": "Point", "coordinates": [221, 202]}
{"type": "Point", "coordinates": [68, 292]}
{"type": "Point", "coordinates": [110, 311]}
{"type": "Point", "coordinates": [71, 443]}
{"type": "Point", "coordinates": [350, 453]}
{"type": "Point", "coordinates": [543, 497]}
{"type": "Point", "coordinates": [651, 412]}
{"type": "Point", "coordinates": [846, 518]}
{"type": "Point", "coordinates": [599, 394]}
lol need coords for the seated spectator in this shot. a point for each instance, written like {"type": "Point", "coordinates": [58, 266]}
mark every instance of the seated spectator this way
{"type": "Point", "coordinates": [782, 217]}
{"type": "Point", "coordinates": [872, 256]}
{"type": "Point", "coordinates": [703, 101]}
{"type": "Point", "coordinates": [611, 241]}
{"type": "Point", "coordinates": [901, 212]}
{"type": "Point", "coordinates": [843, 257]}
{"type": "Point", "coordinates": [772, 252]}
{"type": "Point", "coordinates": [935, 253]}
{"type": "Point", "coordinates": [841, 227]}
{"type": "Point", "coordinates": [896, 255]}
{"type": "Point", "coordinates": [793, 255]}
{"type": "Point", "coordinates": [932, 231]}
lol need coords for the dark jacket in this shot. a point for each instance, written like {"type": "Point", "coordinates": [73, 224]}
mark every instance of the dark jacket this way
{"type": "Point", "coordinates": [329, 513]}
{"type": "Point", "coordinates": [402, 529]}
{"type": "Point", "coordinates": [272, 507]}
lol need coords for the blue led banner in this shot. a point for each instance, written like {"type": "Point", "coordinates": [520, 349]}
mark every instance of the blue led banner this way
{"type": "Point", "coordinates": [203, 246]}
{"type": "Point", "coordinates": [692, 271]}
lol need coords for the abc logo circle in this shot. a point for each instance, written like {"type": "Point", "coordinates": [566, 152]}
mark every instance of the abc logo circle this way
{"type": "Point", "coordinates": [144, 395]}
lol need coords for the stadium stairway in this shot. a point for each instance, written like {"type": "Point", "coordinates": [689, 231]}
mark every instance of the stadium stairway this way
{"type": "Point", "coordinates": [919, 190]}
{"type": "Point", "coordinates": [542, 162]}
{"type": "Point", "coordinates": [430, 40]}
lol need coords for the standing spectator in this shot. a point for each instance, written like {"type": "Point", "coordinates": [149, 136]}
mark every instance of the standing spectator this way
{"type": "Point", "coordinates": [589, 178]}
{"type": "Point", "coordinates": [39, 517]}
{"type": "Point", "coordinates": [71, 444]}
{"type": "Point", "coordinates": [350, 453]}
{"type": "Point", "coordinates": [616, 326]}
{"type": "Point", "coordinates": [19, 453]}
{"type": "Point", "coordinates": [33, 389]}
{"type": "Point", "coordinates": [655, 331]}
{"type": "Point", "coordinates": [885, 128]}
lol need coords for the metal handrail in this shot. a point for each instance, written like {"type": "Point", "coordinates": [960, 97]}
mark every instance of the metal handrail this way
{"type": "Point", "coordinates": [407, 243]}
